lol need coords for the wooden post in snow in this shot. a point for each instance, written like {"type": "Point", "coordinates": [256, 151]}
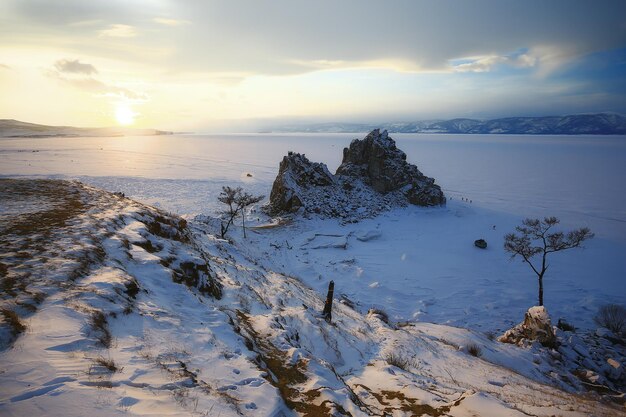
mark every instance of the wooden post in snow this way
{"type": "Point", "coordinates": [328, 305]}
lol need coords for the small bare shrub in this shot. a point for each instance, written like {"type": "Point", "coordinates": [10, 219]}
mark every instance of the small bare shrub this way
{"type": "Point", "coordinates": [613, 317]}
{"type": "Point", "coordinates": [400, 361]}
{"type": "Point", "coordinates": [109, 364]}
{"type": "Point", "coordinates": [474, 350]}
{"type": "Point", "coordinates": [100, 325]}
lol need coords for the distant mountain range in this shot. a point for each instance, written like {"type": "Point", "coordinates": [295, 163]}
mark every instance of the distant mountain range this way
{"type": "Point", "coordinates": [581, 124]}
{"type": "Point", "coordinates": [10, 128]}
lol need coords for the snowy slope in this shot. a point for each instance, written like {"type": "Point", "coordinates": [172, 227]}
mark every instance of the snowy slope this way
{"type": "Point", "coordinates": [132, 311]}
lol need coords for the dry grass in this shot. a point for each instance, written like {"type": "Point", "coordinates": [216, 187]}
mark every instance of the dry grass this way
{"type": "Point", "coordinates": [14, 322]}
{"type": "Point", "coordinates": [99, 324]}
{"type": "Point", "coordinates": [108, 364]}
{"type": "Point", "coordinates": [403, 362]}
{"type": "Point", "coordinates": [381, 314]}
{"type": "Point", "coordinates": [474, 350]}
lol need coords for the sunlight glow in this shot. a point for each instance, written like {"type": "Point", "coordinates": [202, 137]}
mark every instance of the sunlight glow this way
{"type": "Point", "coordinates": [124, 115]}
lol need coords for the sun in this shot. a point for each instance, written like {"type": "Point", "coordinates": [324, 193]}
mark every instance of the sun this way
{"type": "Point", "coordinates": [124, 115]}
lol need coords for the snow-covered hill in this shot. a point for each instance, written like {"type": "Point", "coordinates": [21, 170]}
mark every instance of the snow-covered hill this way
{"type": "Point", "coordinates": [17, 129]}
{"type": "Point", "coordinates": [579, 124]}
{"type": "Point", "coordinates": [111, 307]}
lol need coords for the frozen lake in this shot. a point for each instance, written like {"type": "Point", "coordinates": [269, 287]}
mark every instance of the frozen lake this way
{"type": "Point", "coordinates": [424, 266]}
{"type": "Point", "coordinates": [579, 179]}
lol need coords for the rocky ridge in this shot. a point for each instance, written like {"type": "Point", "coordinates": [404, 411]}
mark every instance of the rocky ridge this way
{"type": "Point", "coordinates": [373, 177]}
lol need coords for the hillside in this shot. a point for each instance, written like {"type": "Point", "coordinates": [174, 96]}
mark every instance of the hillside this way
{"type": "Point", "coordinates": [111, 307]}
{"type": "Point", "coordinates": [583, 124]}
{"type": "Point", "coordinates": [13, 128]}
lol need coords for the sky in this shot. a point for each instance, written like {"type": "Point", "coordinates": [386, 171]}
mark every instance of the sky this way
{"type": "Point", "coordinates": [239, 65]}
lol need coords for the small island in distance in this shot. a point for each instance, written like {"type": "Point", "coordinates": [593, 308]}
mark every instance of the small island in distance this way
{"type": "Point", "coordinates": [578, 124]}
{"type": "Point", "coordinates": [10, 128]}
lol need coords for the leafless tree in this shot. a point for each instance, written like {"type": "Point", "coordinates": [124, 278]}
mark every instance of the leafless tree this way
{"type": "Point", "coordinates": [535, 237]}
{"type": "Point", "coordinates": [244, 200]}
{"type": "Point", "coordinates": [229, 197]}
{"type": "Point", "coordinates": [236, 201]}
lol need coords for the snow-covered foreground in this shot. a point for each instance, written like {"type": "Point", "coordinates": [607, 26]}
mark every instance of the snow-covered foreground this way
{"type": "Point", "coordinates": [131, 311]}
{"type": "Point", "coordinates": [421, 264]}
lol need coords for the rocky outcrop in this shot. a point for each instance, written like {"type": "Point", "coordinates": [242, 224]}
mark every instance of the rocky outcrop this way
{"type": "Point", "coordinates": [379, 163]}
{"type": "Point", "coordinates": [373, 177]}
{"type": "Point", "coordinates": [296, 177]}
{"type": "Point", "coordinates": [535, 327]}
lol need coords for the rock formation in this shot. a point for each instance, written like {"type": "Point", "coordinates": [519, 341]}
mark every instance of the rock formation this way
{"type": "Point", "coordinates": [536, 326]}
{"type": "Point", "coordinates": [296, 176]}
{"type": "Point", "coordinates": [373, 177]}
{"type": "Point", "coordinates": [379, 163]}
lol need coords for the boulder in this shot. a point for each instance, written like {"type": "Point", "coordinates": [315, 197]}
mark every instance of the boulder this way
{"type": "Point", "coordinates": [480, 243]}
{"type": "Point", "coordinates": [535, 327]}
{"type": "Point", "coordinates": [377, 162]}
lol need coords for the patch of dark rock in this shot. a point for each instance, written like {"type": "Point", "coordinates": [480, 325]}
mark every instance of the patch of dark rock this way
{"type": "Point", "coordinates": [132, 288]}
{"type": "Point", "coordinates": [197, 275]}
{"type": "Point", "coordinates": [565, 326]}
{"type": "Point", "coordinates": [167, 227]}
{"type": "Point", "coordinates": [480, 243]}
{"type": "Point", "coordinates": [149, 246]}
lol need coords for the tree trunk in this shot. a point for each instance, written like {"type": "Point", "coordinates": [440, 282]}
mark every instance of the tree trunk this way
{"type": "Point", "coordinates": [243, 221]}
{"type": "Point", "coordinates": [328, 305]}
{"type": "Point", "coordinates": [540, 290]}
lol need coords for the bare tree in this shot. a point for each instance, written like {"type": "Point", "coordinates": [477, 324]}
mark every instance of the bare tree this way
{"type": "Point", "coordinates": [536, 238]}
{"type": "Point", "coordinates": [229, 197]}
{"type": "Point", "coordinates": [244, 200]}
{"type": "Point", "coordinates": [237, 201]}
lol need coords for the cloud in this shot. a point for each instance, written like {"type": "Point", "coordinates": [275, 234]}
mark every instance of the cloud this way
{"type": "Point", "coordinates": [98, 87]}
{"type": "Point", "coordinates": [489, 63]}
{"type": "Point", "coordinates": [170, 22]}
{"type": "Point", "coordinates": [118, 31]}
{"type": "Point", "coordinates": [283, 36]}
{"type": "Point", "coordinates": [74, 67]}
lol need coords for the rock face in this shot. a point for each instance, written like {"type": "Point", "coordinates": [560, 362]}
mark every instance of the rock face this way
{"type": "Point", "coordinates": [296, 176]}
{"type": "Point", "coordinates": [379, 163]}
{"type": "Point", "coordinates": [373, 177]}
{"type": "Point", "coordinates": [536, 326]}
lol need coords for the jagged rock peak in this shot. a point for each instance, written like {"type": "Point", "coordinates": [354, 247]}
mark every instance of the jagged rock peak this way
{"type": "Point", "coordinates": [373, 177]}
{"type": "Point", "coordinates": [296, 174]}
{"type": "Point", "coordinates": [379, 163]}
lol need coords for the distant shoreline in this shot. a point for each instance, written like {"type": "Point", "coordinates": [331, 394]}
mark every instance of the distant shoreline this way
{"type": "Point", "coordinates": [10, 128]}
{"type": "Point", "coordinates": [580, 124]}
